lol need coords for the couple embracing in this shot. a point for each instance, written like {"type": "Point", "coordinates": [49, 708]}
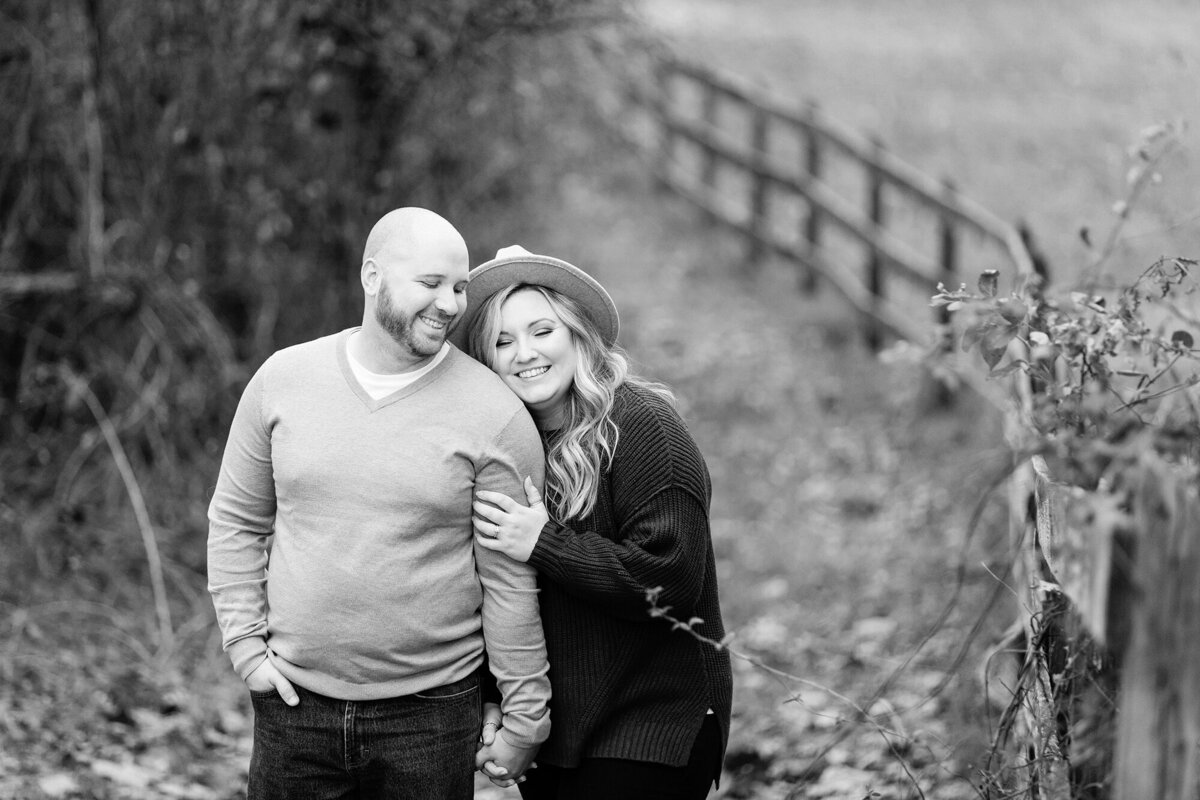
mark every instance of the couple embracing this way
{"type": "Point", "coordinates": [432, 538]}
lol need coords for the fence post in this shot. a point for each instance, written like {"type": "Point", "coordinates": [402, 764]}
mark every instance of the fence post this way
{"type": "Point", "coordinates": [709, 174]}
{"type": "Point", "coordinates": [758, 187]}
{"type": "Point", "coordinates": [663, 103]}
{"type": "Point", "coordinates": [948, 264]}
{"type": "Point", "coordinates": [812, 172]}
{"type": "Point", "coordinates": [875, 209]}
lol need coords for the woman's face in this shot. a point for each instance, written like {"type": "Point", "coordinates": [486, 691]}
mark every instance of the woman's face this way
{"type": "Point", "coordinates": [535, 355]}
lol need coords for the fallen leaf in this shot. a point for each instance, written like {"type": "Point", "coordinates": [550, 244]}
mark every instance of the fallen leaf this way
{"type": "Point", "coordinates": [59, 784]}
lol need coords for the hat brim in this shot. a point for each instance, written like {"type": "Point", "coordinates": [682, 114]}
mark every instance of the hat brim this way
{"type": "Point", "coordinates": [553, 273]}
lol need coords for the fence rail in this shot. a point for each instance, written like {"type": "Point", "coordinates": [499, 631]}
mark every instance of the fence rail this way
{"type": "Point", "coordinates": [744, 143]}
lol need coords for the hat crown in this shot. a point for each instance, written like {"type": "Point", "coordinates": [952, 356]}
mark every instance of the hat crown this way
{"type": "Point", "coordinates": [514, 265]}
{"type": "Point", "coordinates": [512, 251]}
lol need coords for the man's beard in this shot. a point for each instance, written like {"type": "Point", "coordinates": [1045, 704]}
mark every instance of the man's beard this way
{"type": "Point", "coordinates": [400, 327]}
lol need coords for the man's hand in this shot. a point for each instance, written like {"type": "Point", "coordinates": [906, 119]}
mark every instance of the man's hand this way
{"type": "Point", "coordinates": [505, 764]}
{"type": "Point", "coordinates": [265, 677]}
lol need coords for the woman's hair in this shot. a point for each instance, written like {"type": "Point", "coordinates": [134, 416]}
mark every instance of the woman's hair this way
{"type": "Point", "coordinates": [583, 448]}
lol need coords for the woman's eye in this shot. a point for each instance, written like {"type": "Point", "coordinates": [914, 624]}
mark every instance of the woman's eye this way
{"type": "Point", "coordinates": [503, 343]}
{"type": "Point", "coordinates": [429, 284]}
{"type": "Point", "coordinates": [543, 331]}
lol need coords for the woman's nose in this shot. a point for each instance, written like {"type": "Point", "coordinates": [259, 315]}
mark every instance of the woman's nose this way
{"type": "Point", "coordinates": [525, 350]}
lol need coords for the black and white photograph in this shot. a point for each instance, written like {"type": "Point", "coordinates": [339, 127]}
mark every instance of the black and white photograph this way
{"type": "Point", "coordinates": [599, 400]}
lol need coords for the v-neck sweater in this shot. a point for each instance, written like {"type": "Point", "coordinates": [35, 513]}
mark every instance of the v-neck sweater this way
{"type": "Point", "coordinates": [627, 684]}
{"type": "Point", "coordinates": [374, 587]}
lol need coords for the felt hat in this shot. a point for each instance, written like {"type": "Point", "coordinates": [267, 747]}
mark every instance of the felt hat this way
{"type": "Point", "coordinates": [515, 265]}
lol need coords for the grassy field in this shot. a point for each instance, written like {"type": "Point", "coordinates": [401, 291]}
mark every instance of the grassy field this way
{"type": "Point", "coordinates": [1032, 107]}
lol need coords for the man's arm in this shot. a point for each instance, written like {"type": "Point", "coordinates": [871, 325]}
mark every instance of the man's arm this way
{"type": "Point", "coordinates": [241, 517]}
{"type": "Point", "coordinates": [512, 625]}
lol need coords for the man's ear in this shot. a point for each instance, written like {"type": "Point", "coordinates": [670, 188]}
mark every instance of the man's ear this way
{"type": "Point", "coordinates": [370, 277]}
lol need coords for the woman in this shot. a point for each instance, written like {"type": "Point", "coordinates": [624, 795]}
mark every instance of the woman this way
{"type": "Point", "coordinates": [640, 707]}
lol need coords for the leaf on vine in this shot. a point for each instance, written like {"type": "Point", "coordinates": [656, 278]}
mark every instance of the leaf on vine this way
{"type": "Point", "coordinates": [989, 282]}
{"type": "Point", "coordinates": [992, 353]}
{"type": "Point", "coordinates": [992, 334]}
{"type": "Point", "coordinates": [1012, 309]}
{"type": "Point", "coordinates": [1008, 369]}
{"type": "Point", "coordinates": [1183, 338]}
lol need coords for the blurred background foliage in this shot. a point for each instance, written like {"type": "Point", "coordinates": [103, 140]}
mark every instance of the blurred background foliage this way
{"type": "Point", "coordinates": [184, 188]}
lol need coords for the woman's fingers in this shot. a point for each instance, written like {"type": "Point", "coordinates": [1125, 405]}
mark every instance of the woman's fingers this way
{"type": "Point", "coordinates": [531, 492]}
{"type": "Point", "coordinates": [486, 543]}
{"type": "Point", "coordinates": [497, 499]}
{"type": "Point", "coordinates": [489, 513]}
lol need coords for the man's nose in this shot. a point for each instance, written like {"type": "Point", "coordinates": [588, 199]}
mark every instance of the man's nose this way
{"type": "Point", "coordinates": [447, 301]}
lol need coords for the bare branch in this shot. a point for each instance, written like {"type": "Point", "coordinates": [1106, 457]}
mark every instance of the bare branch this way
{"type": "Point", "coordinates": [80, 387]}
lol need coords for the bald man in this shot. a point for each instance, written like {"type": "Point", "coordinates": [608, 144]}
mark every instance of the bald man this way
{"type": "Point", "coordinates": [360, 627]}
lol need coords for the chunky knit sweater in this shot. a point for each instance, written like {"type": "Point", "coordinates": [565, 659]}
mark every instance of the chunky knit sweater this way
{"type": "Point", "coordinates": [374, 587]}
{"type": "Point", "coordinates": [625, 684]}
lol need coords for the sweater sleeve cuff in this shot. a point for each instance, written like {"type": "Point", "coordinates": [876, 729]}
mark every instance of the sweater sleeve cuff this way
{"type": "Point", "coordinates": [247, 654]}
{"type": "Point", "coordinates": [550, 540]}
{"type": "Point", "coordinates": [524, 731]}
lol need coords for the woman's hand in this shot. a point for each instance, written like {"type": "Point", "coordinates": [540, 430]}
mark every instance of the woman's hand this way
{"type": "Point", "coordinates": [505, 525]}
{"type": "Point", "coordinates": [492, 720]}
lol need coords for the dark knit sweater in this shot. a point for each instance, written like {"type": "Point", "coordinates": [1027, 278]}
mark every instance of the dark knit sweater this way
{"type": "Point", "coordinates": [624, 684]}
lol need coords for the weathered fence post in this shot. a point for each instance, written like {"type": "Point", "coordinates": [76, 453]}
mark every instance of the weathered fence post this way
{"type": "Point", "coordinates": [812, 173]}
{"type": "Point", "coordinates": [758, 185]}
{"type": "Point", "coordinates": [875, 208]}
{"type": "Point", "coordinates": [948, 264]}
{"type": "Point", "coordinates": [1159, 718]}
{"type": "Point", "coordinates": [708, 175]}
{"type": "Point", "coordinates": [664, 74]}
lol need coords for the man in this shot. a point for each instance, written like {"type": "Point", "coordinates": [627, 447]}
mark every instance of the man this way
{"type": "Point", "coordinates": [361, 452]}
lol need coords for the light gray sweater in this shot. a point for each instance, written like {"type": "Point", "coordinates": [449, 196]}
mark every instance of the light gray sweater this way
{"type": "Point", "coordinates": [374, 587]}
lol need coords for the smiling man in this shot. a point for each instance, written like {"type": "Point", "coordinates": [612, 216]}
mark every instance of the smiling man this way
{"type": "Point", "coordinates": [361, 629]}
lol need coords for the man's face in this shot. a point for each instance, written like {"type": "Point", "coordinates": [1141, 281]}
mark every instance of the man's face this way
{"type": "Point", "coordinates": [420, 296]}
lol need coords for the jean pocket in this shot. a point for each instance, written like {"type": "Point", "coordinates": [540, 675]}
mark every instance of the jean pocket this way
{"type": "Point", "coordinates": [265, 694]}
{"type": "Point", "coordinates": [450, 691]}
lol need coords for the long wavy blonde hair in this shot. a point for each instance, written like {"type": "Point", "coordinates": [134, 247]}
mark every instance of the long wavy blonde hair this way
{"type": "Point", "coordinates": [582, 451]}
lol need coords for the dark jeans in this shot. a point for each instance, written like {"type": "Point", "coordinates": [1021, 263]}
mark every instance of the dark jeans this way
{"type": "Point", "coordinates": [608, 778]}
{"type": "Point", "coordinates": [417, 747]}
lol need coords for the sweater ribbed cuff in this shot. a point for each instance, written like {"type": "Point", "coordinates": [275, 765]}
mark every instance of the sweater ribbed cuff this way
{"type": "Point", "coordinates": [526, 732]}
{"type": "Point", "coordinates": [247, 654]}
{"type": "Point", "coordinates": [549, 540]}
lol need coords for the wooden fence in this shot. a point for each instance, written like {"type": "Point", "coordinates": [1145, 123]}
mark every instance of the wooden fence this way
{"type": "Point", "coordinates": [695, 126]}
{"type": "Point", "coordinates": [795, 178]}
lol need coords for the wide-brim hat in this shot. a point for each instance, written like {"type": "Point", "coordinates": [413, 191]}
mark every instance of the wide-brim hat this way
{"type": "Point", "coordinates": [515, 265]}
